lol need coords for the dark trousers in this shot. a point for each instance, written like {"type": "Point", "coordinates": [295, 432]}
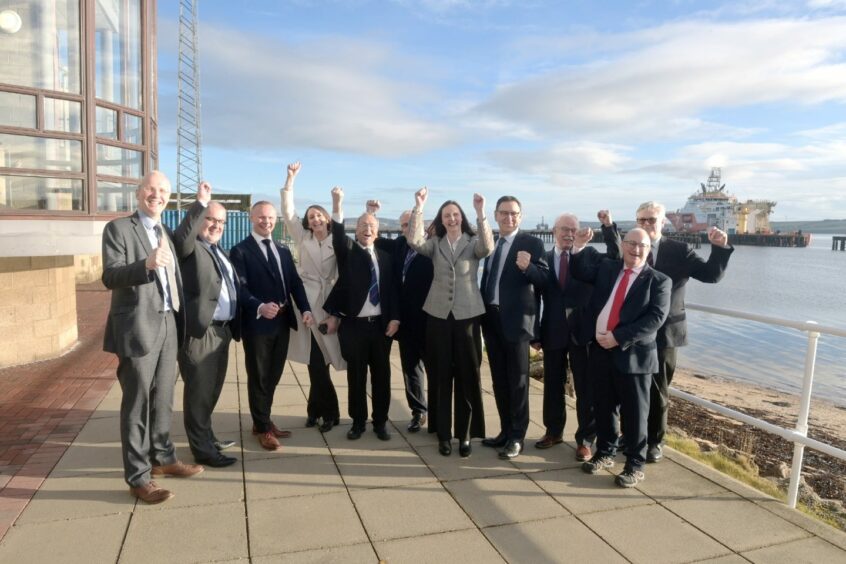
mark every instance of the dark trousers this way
{"type": "Point", "coordinates": [265, 356]}
{"type": "Point", "coordinates": [364, 345]}
{"type": "Point", "coordinates": [146, 406]}
{"type": "Point", "coordinates": [322, 397]}
{"type": "Point", "coordinates": [629, 392]}
{"type": "Point", "coordinates": [555, 362]}
{"type": "Point", "coordinates": [659, 395]}
{"type": "Point", "coordinates": [412, 353]}
{"type": "Point", "coordinates": [510, 374]}
{"type": "Point", "coordinates": [202, 363]}
{"type": "Point", "coordinates": [455, 355]}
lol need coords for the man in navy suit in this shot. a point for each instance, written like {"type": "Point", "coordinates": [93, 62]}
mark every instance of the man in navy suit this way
{"type": "Point", "coordinates": [678, 261]}
{"type": "Point", "coordinates": [268, 281]}
{"type": "Point", "coordinates": [629, 304]}
{"type": "Point", "coordinates": [510, 276]}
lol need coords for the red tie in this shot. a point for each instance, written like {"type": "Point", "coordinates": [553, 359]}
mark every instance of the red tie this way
{"type": "Point", "coordinates": [619, 298]}
{"type": "Point", "coordinates": [563, 265]}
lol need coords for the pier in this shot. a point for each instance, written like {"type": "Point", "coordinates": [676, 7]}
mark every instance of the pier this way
{"type": "Point", "coordinates": [838, 243]}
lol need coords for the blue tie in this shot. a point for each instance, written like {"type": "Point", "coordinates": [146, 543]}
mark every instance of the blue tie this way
{"type": "Point", "coordinates": [490, 287]}
{"type": "Point", "coordinates": [409, 256]}
{"type": "Point", "coordinates": [373, 292]}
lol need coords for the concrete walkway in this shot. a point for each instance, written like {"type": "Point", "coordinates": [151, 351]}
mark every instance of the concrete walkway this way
{"type": "Point", "coordinates": [326, 499]}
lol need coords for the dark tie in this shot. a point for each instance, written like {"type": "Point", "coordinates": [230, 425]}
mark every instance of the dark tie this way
{"type": "Point", "coordinates": [619, 298]}
{"type": "Point", "coordinates": [409, 256]}
{"type": "Point", "coordinates": [170, 277]}
{"type": "Point", "coordinates": [490, 286]}
{"type": "Point", "coordinates": [373, 292]}
{"type": "Point", "coordinates": [563, 266]}
{"type": "Point", "coordinates": [274, 267]}
{"type": "Point", "coordinates": [649, 260]}
{"type": "Point", "coordinates": [230, 285]}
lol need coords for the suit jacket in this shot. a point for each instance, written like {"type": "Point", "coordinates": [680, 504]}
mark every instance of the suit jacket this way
{"type": "Point", "coordinates": [644, 310]}
{"type": "Point", "coordinates": [201, 276]}
{"type": "Point", "coordinates": [518, 300]}
{"type": "Point", "coordinates": [257, 285]}
{"type": "Point", "coordinates": [351, 290]}
{"type": "Point", "coordinates": [678, 261]}
{"type": "Point", "coordinates": [137, 302]}
{"type": "Point", "coordinates": [564, 317]}
{"type": "Point", "coordinates": [455, 279]}
{"type": "Point", "coordinates": [412, 291]}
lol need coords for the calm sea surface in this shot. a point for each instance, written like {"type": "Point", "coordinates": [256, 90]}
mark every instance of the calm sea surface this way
{"type": "Point", "coordinates": [795, 284]}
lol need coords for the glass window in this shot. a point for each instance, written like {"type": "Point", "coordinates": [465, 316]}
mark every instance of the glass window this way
{"type": "Point", "coordinates": [118, 51]}
{"type": "Point", "coordinates": [116, 196]}
{"type": "Point", "coordinates": [22, 151]}
{"type": "Point", "coordinates": [62, 115]}
{"type": "Point", "coordinates": [114, 161]}
{"type": "Point", "coordinates": [106, 123]}
{"type": "Point", "coordinates": [132, 129]}
{"type": "Point", "coordinates": [37, 193]}
{"type": "Point", "coordinates": [39, 44]}
{"type": "Point", "coordinates": [17, 110]}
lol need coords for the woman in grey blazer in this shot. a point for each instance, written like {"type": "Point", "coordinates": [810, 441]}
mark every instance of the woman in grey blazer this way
{"type": "Point", "coordinates": [454, 306]}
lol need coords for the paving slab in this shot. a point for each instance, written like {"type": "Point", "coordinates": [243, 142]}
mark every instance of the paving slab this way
{"type": "Point", "coordinates": [810, 551]}
{"type": "Point", "coordinates": [668, 480]}
{"type": "Point", "coordinates": [356, 553]}
{"type": "Point", "coordinates": [211, 487]}
{"type": "Point", "coordinates": [288, 476]}
{"type": "Point", "coordinates": [76, 497]}
{"type": "Point", "coordinates": [467, 547]}
{"type": "Point", "coordinates": [67, 541]}
{"type": "Point", "coordinates": [583, 493]}
{"type": "Point", "coordinates": [484, 462]}
{"type": "Point", "coordinates": [381, 468]}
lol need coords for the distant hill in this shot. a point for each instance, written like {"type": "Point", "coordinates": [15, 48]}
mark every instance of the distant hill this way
{"type": "Point", "coordinates": [835, 226]}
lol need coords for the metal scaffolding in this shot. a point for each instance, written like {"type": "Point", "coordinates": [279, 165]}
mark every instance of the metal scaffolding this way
{"type": "Point", "coordinates": [189, 158]}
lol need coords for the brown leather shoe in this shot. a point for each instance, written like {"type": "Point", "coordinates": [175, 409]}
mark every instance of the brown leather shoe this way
{"type": "Point", "coordinates": [275, 430]}
{"type": "Point", "coordinates": [583, 453]}
{"type": "Point", "coordinates": [268, 441]}
{"type": "Point", "coordinates": [548, 441]}
{"type": "Point", "coordinates": [151, 493]}
{"type": "Point", "coordinates": [178, 469]}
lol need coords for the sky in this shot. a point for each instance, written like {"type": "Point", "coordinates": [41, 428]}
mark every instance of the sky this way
{"type": "Point", "coordinates": [572, 106]}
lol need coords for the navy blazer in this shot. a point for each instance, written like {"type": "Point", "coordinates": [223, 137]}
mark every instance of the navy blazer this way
{"type": "Point", "coordinates": [644, 310]}
{"type": "Point", "coordinates": [258, 286]}
{"type": "Point", "coordinates": [413, 290]}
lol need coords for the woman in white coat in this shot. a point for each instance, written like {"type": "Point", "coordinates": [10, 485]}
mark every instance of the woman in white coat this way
{"type": "Point", "coordinates": [316, 346]}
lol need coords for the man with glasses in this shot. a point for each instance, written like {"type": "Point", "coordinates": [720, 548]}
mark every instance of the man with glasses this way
{"type": "Point", "coordinates": [510, 277]}
{"type": "Point", "coordinates": [212, 321]}
{"type": "Point", "coordinates": [680, 262]}
{"type": "Point", "coordinates": [629, 304]}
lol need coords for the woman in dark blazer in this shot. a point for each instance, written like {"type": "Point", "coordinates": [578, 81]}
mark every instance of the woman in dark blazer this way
{"type": "Point", "coordinates": [454, 306]}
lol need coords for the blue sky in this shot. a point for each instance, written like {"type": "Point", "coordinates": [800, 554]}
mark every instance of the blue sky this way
{"type": "Point", "coordinates": [570, 106]}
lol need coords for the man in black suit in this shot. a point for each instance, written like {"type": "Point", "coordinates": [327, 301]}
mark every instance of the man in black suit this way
{"type": "Point", "coordinates": [144, 329]}
{"type": "Point", "coordinates": [680, 262]}
{"type": "Point", "coordinates": [268, 281]}
{"type": "Point", "coordinates": [212, 321]}
{"type": "Point", "coordinates": [510, 276]}
{"type": "Point", "coordinates": [629, 304]}
{"type": "Point", "coordinates": [365, 300]}
{"type": "Point", "coordinates": [565, 332]}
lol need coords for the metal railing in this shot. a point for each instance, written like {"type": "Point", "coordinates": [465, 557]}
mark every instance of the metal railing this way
{"type": "Point", "coordinates": [798, 435]}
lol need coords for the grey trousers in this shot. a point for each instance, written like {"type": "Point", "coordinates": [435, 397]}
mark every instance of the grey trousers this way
{"type": "Point", "coordinates": [202, 363]}
{"type": "Point", "coordinates": [147, 405]}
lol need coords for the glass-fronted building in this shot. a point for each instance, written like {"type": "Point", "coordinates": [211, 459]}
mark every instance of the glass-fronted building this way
{"type": "Point", "coordinates": [77, 126]}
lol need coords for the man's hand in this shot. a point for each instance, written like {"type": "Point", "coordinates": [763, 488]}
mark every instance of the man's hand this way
{"type": "Point", "coordinates": [420, 197]}
{"type": "Point", "coordinates": [268, 310]}
{"type": "Point", "coordinates": [161, 255]}
{"type": "Point", "coordinates": [293, 169]}
{"type": "Point", "coordinates": [604, 217]}
{"type": "Point", "coordinates": [718, 237]}
{"type": "Point", "coordinates": [582, 237]}
{"type": "Point", "coordinates": [479, 204]}
{"type": "Point", "coordinates": [308, 319]}
{"type": "Point", "coordinates": [393, 327]}
{"type": "Point", "coordinates": [523, 260]}
{"type": "Point", "coordinates": [204, 192]}
{"type": "Point", "coordinates": [332, 323]}
{"type": "Point", "coordinates": [373, 206]}
{"type": "Point", "coordinates": [337, 195]}
{"type": "Point", "coordinates": [607, 340]}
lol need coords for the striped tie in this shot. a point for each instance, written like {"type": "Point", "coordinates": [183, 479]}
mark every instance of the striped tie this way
{"type": "Point", "coordinates": [373, 292]}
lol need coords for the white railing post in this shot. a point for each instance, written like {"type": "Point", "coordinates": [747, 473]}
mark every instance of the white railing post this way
{"type": "Point", "coordinates": [802, 420]}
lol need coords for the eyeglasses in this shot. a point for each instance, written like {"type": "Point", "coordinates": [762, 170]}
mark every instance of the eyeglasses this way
{"type": "Point", "coordinates": [635, 244]}
{"type": "Point", "coordinates": [220, 222]}
{"type": "Point", "coordinates": [508, 213]}
{"type": "Point", "coordinates": [645, 220]}
{"type": "Point", "coordinates": [567, 229]}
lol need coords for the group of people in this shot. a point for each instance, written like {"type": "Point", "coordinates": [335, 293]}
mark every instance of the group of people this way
{"type": "Point", "coordinates": [613, 319]}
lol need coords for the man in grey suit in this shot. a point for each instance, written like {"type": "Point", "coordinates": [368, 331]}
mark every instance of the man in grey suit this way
{"type": "Point", "coordinates": [142, 330]}
{"type": "Point", "coordinates": [212, 321]}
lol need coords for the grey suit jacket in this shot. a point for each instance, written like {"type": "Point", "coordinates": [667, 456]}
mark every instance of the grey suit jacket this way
{"type": "Point", "coordinates": [137, 304]}
{"type": "Point", "coordinates": [455, 286]}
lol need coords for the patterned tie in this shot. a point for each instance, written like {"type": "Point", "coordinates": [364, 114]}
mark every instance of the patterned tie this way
{"type": "Point", "coordinates": [619, 298]}
{"type": "Point", "coordinates": [225, 273]}
{"type": "Point", "coordinates": [373, 292]}
{"type": "Point", "coordinates": [563, 265]}
{"type": "Point", "coordinates": [409, 256]}
{"type": "Point", "coordinates": [169, 277]}
{"type": "Point", "coordinates": [490, 286]}
{"type": "Point", "coordinates": [274, 267]}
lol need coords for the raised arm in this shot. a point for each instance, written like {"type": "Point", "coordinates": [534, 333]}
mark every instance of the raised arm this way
{"type": "Point", "coordinates": [418, 242]}
{"type": "Point", "coordinates": [485, 242]}
{"type": "Point", "coordinates": [185, 236]}
{"type": "Point", "coordinates": [289, 213]}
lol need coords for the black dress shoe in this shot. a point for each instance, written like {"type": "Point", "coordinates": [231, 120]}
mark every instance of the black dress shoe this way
{"type": "Point", "coordinates": [220, 461]}
{"type": "Point", "coordinates": [511, 450]}
{"type": "Point", "coordinates": [495, 442]}
{"type": "Point", "coordinates": [326, 426]}
{"type": "Point", "coordinates": [311, 421]}
{"type": "Point", "coordinates": [417, 422]}
{"type": "Point", "coordinates": [223, 445]}
{"type": "Point", "coordinates": [464, 449]}
{"type": "Point", "coordinates": [445, 448]}
{"type": "Point", "coordinates": [354, 433]}
{"type": "Point", "coordinates": [382, 434]}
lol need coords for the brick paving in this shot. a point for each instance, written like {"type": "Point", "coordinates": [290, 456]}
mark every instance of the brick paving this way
{"type": "Point", "coordinates": [44, 405]}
